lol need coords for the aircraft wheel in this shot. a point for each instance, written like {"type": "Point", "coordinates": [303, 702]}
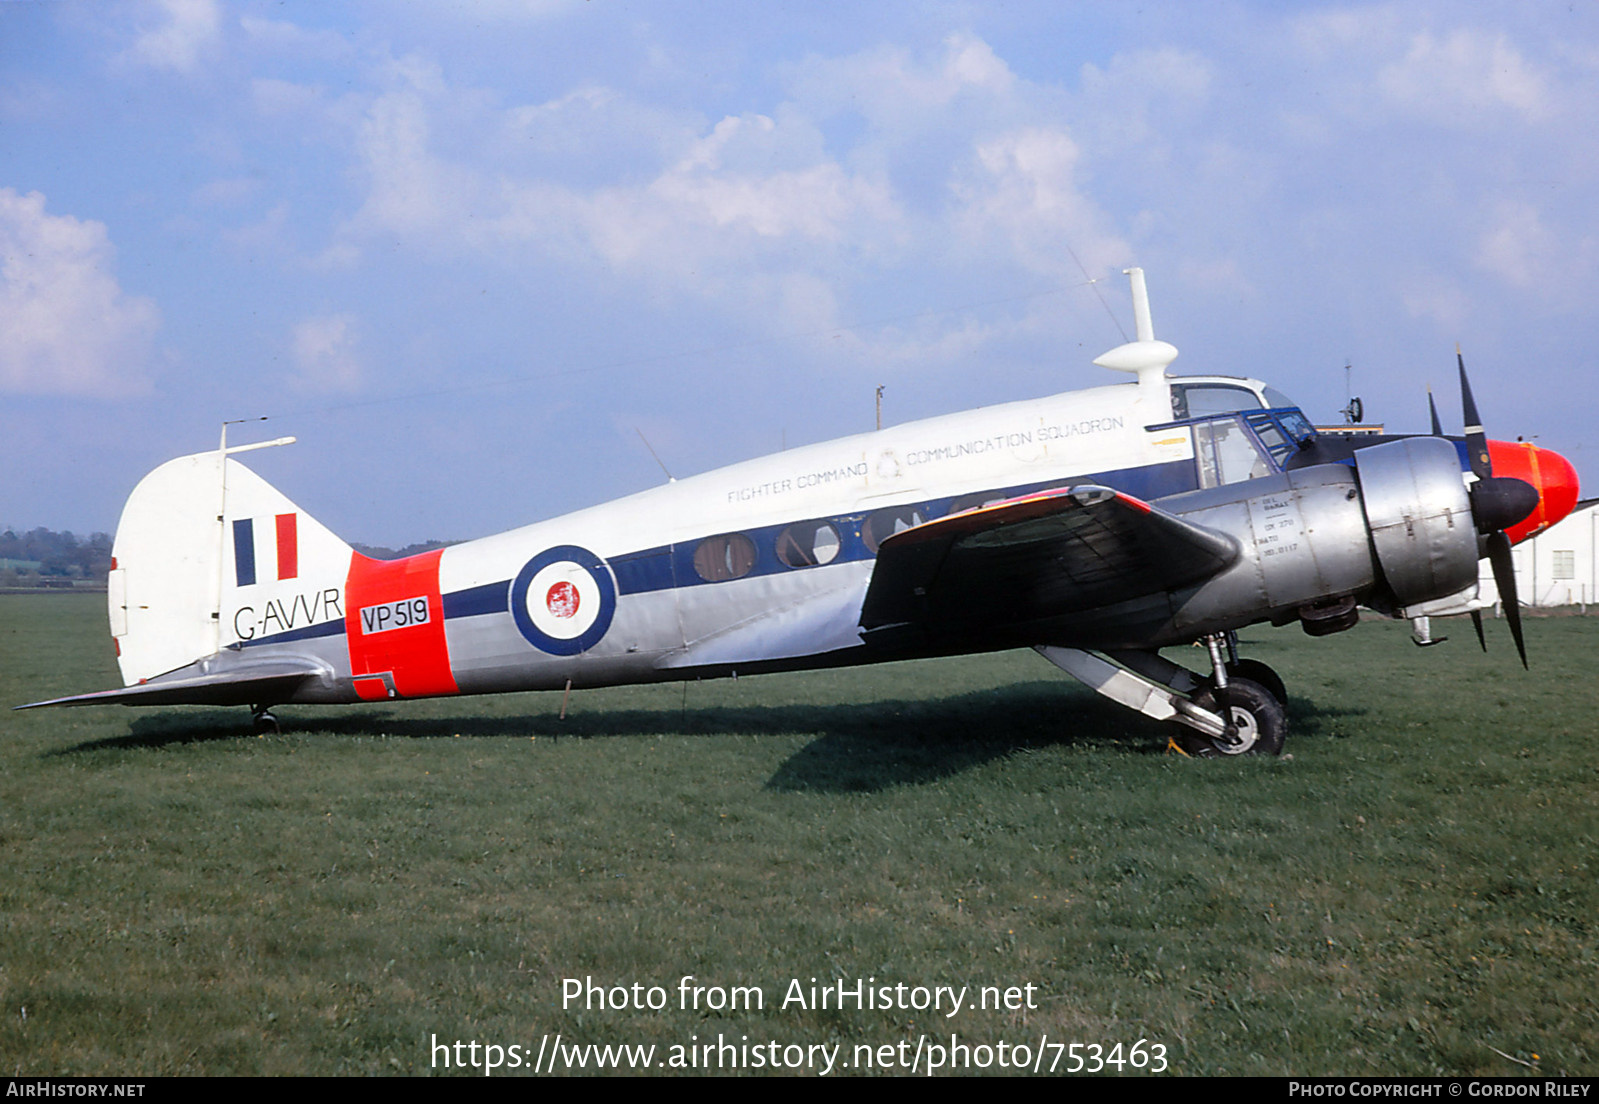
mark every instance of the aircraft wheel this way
{"type": "Point", "coordinates": [264, 722]}
{"type": "Point", "coordinates": [1261, 720]}
{"type": "Point", "coordinates": [1256, 671]}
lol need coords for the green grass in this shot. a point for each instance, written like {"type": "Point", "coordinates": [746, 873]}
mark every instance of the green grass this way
{"type": "Point", "coordinates": [1409, 890]}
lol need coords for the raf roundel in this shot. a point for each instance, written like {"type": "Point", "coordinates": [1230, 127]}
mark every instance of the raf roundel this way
{"type": "Point", "coordinates": [563, 600]}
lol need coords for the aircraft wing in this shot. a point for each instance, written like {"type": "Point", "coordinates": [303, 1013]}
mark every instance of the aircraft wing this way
{"type": "Point", "coordinates": [246, 683]}
{"type": "Point", "coordinates": [1032, 558]}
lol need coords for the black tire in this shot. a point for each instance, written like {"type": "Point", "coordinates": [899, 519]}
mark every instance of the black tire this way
{"type": "Point", "coordinates": [1261, 720]}
{"type": "Point", "coordinates": [1256, 671]}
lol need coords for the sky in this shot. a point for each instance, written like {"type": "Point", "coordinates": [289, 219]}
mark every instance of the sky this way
{"type": "Point", "coordinates": [475, 255]}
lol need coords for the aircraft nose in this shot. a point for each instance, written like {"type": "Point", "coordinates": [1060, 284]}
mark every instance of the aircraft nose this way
{"type": "Point", "coordinates": [1549, 473]}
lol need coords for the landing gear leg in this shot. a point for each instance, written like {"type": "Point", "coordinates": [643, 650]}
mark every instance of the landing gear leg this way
{"type": "Point", "coordinates": [1252, 669]}
{"type": "Point", "coordinates": [262, 721]}
{"type": "Point", "coordinates": [1251, 720]}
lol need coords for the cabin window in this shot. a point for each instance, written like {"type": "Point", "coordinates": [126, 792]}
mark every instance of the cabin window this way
{"type": "Point", "coordinates": [808, 544]}
{"type": "Point", "coordinates": [885, 523]}
{"type": "Point", "coordinates": [973, 501]}
{"type": "Point", "coordinates": [729, 556]}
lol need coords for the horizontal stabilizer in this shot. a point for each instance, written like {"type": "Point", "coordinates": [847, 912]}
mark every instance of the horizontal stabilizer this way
{"type": "Point", "coordinates": [208, 683]}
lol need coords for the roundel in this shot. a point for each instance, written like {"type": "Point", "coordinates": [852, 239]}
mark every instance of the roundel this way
{"type": "Point", "coordinates": [563, 600]}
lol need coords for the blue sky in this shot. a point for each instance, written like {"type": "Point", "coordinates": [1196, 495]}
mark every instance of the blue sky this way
{"type": "Point", "coordinates": [468, 253]}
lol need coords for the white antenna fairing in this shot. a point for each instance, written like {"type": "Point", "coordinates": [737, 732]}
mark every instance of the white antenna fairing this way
{"type": "Point", "coordinates": [1141, 319]}
{"type": "Point", "coordinates": [1146, 358]}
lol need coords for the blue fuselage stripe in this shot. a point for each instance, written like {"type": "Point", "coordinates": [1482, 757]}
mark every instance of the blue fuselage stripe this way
{"type": "Point", "coordinates": [669, 566]}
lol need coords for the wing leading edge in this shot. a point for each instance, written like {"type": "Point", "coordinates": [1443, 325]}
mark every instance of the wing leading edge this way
{"type": "Point", "coordinates": [1026, 560]}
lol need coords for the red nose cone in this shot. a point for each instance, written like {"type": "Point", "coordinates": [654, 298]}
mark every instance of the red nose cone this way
{"type": "Point", "coordinates": [1551, 473]}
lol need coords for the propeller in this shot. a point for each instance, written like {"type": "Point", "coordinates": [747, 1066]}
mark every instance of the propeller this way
{"type": "Point", "coordinates": [1438, 431]}
{"type": "Point", "coordinates": [1497, 503]}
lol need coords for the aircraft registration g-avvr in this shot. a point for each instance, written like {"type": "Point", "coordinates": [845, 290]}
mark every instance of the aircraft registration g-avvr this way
{"type": "Point", "coordinates": [1096, 526]}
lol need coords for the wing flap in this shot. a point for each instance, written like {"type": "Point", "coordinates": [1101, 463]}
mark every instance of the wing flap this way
{"type": "Point", "coordinates": [1032, 558]}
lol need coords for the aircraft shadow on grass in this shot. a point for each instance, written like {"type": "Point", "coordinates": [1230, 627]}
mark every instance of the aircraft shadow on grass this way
{"type": "Point", "coordinates": [858, 747]}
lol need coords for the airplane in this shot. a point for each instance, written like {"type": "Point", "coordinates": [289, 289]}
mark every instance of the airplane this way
{"type": "Point", "coordinates": [1098, 527]}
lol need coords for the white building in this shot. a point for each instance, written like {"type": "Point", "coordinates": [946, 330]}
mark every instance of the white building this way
{"type": "Point", "coordinates": [1558, 567]}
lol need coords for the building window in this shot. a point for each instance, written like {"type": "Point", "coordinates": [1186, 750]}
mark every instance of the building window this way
{"type": "Point", "coordinates": [730, 556]}
{"type": "Point", "coordinates": [1565, 563]}
{"type": "Point", "coordinates": [808, 544]}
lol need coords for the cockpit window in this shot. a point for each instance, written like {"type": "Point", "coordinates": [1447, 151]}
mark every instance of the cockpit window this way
{"type": "Point", "coordinates": [1201, 400]}
{"type": "Point", "coordinates": [1277, 400]}
{"type": "Point", "coordinates": [1296, 425]}
{"type": "Point", "coordinates": [1228, 453]}
{"type": "Point", "coordinates": [1275, 440]}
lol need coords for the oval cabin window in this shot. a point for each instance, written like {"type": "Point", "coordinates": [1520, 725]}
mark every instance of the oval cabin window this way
{"type": "Point", "coordinates": [808, 544]}
{"type": "Point", "coordinates": [730, 556]}
{"type": "Point", "coordinates": [885, 523]}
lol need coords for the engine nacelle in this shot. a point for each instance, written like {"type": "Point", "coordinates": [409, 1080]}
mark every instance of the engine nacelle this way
{"type": "Point", "coordinates": [1419, 514]}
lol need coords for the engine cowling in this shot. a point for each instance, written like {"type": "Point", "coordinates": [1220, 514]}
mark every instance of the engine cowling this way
{"type": "Point", "coordinates": [1419, 513]}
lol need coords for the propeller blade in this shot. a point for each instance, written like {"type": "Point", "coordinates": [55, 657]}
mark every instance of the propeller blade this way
{"type": "Point", "coordinates": [1432, 408]}
{"type": "Point", "coordinates": [1476, 623]}
{"type": "Point", "coordinates": [1505, 579]}
{"type": "Point", "coordinates": [1476, 439]}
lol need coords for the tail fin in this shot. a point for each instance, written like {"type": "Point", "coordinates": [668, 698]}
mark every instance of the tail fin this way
{"type": "Point", "coordinates": [208, 555]}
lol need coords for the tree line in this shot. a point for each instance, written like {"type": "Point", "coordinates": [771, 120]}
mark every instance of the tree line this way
{"type": "Point", "coordinates": [45, 554]}
{"type": "Point", "coordinates": [41, 555]}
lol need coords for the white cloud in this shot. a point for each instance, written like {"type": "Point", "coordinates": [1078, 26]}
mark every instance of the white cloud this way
{"type": "Point", "coordinates": [1021, 187]}
{"type": "Point", "coordinates": [749, 178]}
{"type": "Point", "coordinates": [186, 29]}
{"type": "Point", "coordinates": [325, 358]}
{"type": "Point", "coordinates": [895, 89]}
{"type": "Point", "coordinates": [814, 201]}
{"type": "Point", "coordinates": [65, 325]}
{"type": "Point", "coordinates": [1459, 76]}
{"type": "Point", "coordinates": [1438, 298]}
{"type": "Point", "coordinates": [292, 39]}
{"type": "Point", "coordinates": [1518, 248]}
{"type": "Point", "coordinates": [273, 97]}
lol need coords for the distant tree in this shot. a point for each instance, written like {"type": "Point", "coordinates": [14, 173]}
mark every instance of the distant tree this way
{"type": "Point", "coordinates": [380, 552]}
{"type": "Point", "coordinates": [60, 555]}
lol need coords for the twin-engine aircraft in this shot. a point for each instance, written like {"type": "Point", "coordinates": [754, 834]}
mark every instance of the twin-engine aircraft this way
{"type": "Point", "coordinates": [1097, 527]}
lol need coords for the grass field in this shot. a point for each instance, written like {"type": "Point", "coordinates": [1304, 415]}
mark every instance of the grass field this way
{"type": "Point", "coordinates": [1409, 890]}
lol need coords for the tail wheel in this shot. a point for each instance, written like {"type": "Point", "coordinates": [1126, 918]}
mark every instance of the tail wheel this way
{"type": "Point", "coordinates": [1260, 720]}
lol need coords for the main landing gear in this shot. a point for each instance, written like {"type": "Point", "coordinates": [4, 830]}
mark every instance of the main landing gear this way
{"type": "Point", "coordinates": [1241, 709]}
{"type": "Point", "coordinates": [262, 721]}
